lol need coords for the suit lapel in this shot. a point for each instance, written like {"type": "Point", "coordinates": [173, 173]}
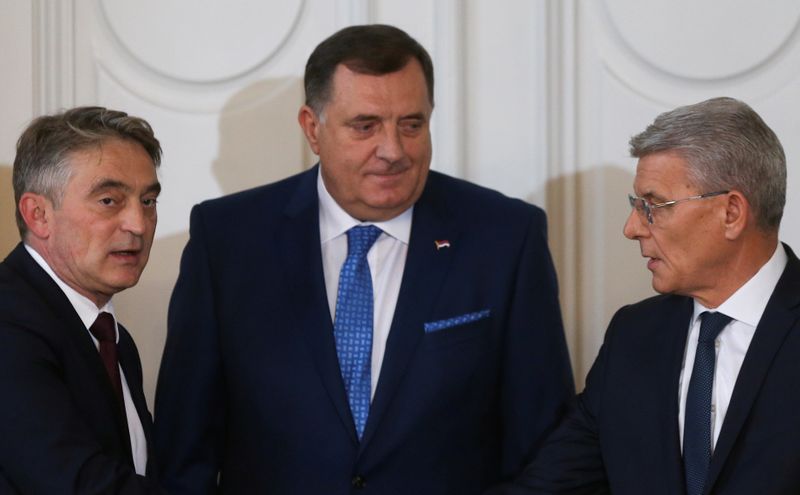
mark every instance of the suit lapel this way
{"type": "Point", "coordinates": [423, 275]}
{"type": "Point", "coordinates": [59, 305]}
{"type": "Point", "coordinates": [74, 331]}
{"type": "Point", "coordinates": [299, 247]}
{"type": "Point", "coordinates": [676, 330]}
{"type": "Point", "coordinates": [780, 316]}
{"type": "Point", "coordinates": [425, 269]}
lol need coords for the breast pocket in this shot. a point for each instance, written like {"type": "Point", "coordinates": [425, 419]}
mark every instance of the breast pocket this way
{"type": "Point", "coordinates": [474, 329]}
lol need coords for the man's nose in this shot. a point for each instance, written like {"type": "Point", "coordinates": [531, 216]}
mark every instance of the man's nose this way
{"type": "Point", "coordinates": [134, 218]}
{"type": "Point", "coordinates": [635, 226]}
{"type": "Point", "coordinates": [390, 147]}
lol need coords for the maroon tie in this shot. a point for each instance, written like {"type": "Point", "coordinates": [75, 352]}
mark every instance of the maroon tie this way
{"type": "Point", "coordinates": [104, 331]}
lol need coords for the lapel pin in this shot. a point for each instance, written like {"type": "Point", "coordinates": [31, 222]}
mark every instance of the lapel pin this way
{"type": "Point", "coordinates": [444, 243]}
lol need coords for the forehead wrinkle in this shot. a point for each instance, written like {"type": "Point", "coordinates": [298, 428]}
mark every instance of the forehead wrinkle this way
{"type": "Point", "coordinates": [643, 190]}
{"type": "Point", "coordinates": [372, 91]}
{"type": "Point", "coordinates": [653, 186]}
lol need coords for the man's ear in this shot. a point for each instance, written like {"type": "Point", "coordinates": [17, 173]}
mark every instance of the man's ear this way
{"type": "Point", "coordinates": [310, 122]}
{"type": "Point", "coordinates": [737, 214]}
{"type": "Point", "coordinates": [36, 211]}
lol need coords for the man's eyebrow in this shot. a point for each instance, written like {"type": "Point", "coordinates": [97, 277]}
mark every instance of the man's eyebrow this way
{"type": "Point", "coordinates": [415, 116]}
{"type": "Point", "coordinates": [653, 197]}
{"type": "Point", "coordinates": [363, 118]}
{"type": "Point", "coordinates": [107, 184]}
{"type": "Point", "coordinates": [155, 187]}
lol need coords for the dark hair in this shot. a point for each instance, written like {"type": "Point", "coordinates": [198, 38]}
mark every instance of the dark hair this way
{"type": "Point", "coordinates": [42, 162]}
{"type": "Point", "coordinates": [726, 146]}
{"type": "Point", "coordinates": [375, 49]}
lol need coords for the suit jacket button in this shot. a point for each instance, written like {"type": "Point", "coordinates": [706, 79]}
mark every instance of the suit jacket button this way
{"type": "Point", "coordinates": [358, 481]}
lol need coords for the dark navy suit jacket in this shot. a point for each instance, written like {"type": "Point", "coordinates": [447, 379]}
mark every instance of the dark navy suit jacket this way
{"type": "Point", "coordinates": [622, 435]}
{"type": "Point", "coordinates": [61, 428]}
{"type": "Point", "coordinates": [250, 385]}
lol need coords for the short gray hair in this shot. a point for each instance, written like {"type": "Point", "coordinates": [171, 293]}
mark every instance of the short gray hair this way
{"type": "Point", "coordinates": [42, 164]}
{"type": "Point", "coordinates": [726, 146]}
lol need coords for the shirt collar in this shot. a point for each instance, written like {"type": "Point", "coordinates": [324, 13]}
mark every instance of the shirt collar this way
{"type": "Point", "coordinates": [334, 221]}
{"type": "Point", "coordinates": [748, 303]}
{"type": "Point", "coordinates": [86, 309]}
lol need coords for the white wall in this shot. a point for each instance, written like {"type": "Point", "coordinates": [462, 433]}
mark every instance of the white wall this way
{"type": "Point", "coordinates": [16, 102]}
{"type": "Point", "coordinates": [536, 98]}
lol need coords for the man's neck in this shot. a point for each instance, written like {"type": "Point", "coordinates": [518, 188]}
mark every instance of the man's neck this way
{"type": "Point", "coordinates": [743, 264]}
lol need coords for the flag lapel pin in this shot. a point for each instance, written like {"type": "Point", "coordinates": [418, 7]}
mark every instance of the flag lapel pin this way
{"type": "Point", "coordinates": [444, 243]}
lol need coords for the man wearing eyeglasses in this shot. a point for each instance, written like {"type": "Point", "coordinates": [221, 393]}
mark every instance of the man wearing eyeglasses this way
{"type": "Point", "coordinates": [694, 391]}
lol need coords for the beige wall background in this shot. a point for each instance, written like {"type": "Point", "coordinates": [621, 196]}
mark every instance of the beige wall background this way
{"type": "Point", "coordinates": [535, 98]}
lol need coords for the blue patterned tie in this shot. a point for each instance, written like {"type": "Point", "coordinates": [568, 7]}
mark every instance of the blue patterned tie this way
{"type": "Point", "coordinates": [352, 327]}
{"type": "Point", "coordinates": [697, 420]}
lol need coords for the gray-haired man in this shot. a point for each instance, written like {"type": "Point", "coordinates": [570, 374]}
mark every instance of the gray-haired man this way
{"type": "Point", "coordinates": [694, 391]}
{"type": "Point", "coordinates": [74, 418]}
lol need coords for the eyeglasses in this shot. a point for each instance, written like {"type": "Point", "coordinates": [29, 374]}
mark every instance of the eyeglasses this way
{"type": "Point", "coordinates": [644, 206]}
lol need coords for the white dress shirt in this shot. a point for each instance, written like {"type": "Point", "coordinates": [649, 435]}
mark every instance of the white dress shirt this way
{"type": "Point", "coordinates": [745, 307]}
{"type": "Point", "coordinates": [386, 260]}
{"type": "Point", "coordinates": [88, 312]}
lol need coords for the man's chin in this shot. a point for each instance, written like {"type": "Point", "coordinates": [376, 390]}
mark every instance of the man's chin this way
{"type": "Point", "coordinates": [124, 281]}
{"type": "Point", "coordinates": [661, 286]}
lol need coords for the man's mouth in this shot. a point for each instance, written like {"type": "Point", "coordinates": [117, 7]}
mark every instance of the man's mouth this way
{"type": "Point", "coordinates": [389, 173]}
{"type": "Point", "coordinates": [126, 254]}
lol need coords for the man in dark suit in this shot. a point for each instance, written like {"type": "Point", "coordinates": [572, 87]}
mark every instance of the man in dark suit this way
{"type": "Point", "coordinates": [694, 391]}
{"type": "Point", "coordinates": [366, 325]}
{"type": "Point", "coordinates": [74, 418]}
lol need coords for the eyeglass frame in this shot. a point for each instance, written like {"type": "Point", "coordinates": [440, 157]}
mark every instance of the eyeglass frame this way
{"type": "Point", "coordinates": [648, 206]}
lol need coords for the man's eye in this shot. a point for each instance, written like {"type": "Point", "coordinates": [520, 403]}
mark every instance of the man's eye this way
{"type": "Point", "coordinates": [150, 202]}
{"type": "Point", "coordinates": [412, 126]}
{"type": "Point", "coordinates": [365, 127]}
{"type": "Point", "coordinates": [107, 201]}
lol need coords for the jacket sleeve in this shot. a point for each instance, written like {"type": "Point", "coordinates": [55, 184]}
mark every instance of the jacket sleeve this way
{"type": "Point", "coordinates": [537, 376]}
{"type": "Point", "coordinates": [189, 407]}
{"type": "Point", "coordinates": [47, 447]}
{"type": "Point", "coordinates": [570, 462]}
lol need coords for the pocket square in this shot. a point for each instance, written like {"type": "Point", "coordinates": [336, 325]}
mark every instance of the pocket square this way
{"type": "Point", "coordinates": [435, 326]}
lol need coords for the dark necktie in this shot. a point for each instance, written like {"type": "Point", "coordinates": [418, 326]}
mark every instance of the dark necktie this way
{"type": "Point", "coordinates": [697, 420]}
{"type": "Point", "coordinates": [104, 331]}
{"type": "Point", "coordinates": [352, 327]}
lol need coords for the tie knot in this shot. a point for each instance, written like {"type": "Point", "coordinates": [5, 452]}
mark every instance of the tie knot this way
{"type": "Point", "coordinates": [361, 238]}
{"type": "Point", "coordinates": [103, 328]}
{"type": "Point", "coordinates": [711, 325]}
